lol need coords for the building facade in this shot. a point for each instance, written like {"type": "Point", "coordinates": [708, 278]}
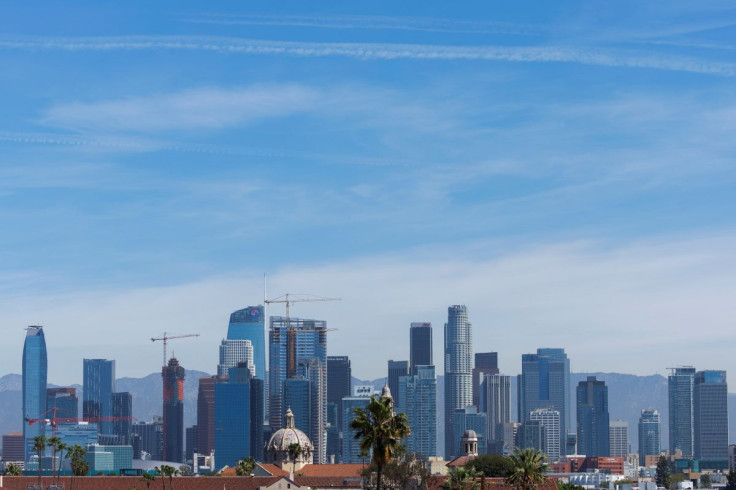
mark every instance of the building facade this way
{"type": "Point", "coordinates": [206, 414]}
{"type": "Point", "coordinates": [35, 372]}
{"type": "Point", "coordinates": [98, 387]}
{"type": "Point", "coordinates": [495, 400]}
{"type": "Point", "coordinates": [710, 403]}
{"type": "Point", "coordinates": [62, 402]}
{"type": "Point", "coordinates": [650, 435]}
{"type": "Point", "coordinates": [458, 348]}
{"type": "Point", "coordinates": [173, 421]}
{"type": "Point", "coordinates": [618, 437]}
{"type": "Point", "coordinates": [396, 369]}
{"type": "Point", "coordinates": [122, 413]}
{"type": "Point", "coordinates": [249, 324]}
{"type": "Point", "coordinates": [232, 353]}
{"type": "Point", "coordinates": [420, 346]}
{"type": "Point", "coordinates": [544, 382]}
{"type": "Point", "coordinates": [339, 383]}
{"type": "Point", "coordinates": [469, 418]}
{"type": "Point", "coordinates": [592, 417]}
{"type": "Point", "coordinates": [550, 420]}
{"type": "Point", "coordinates": [351, 445]}
{"type": "Point", "coordinates": [485, 363]}
{"type": "Point", "coordinates": [418, 394]}
{"type": "Point", "coordinates": [680, 384]}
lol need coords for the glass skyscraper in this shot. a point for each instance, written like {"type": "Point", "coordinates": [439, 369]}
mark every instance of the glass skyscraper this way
{"type": "Point", "coordinates": [544, 382]}
{"type": "Point", "coordinates": [396, 369]}
{"type": "Point", "coordinates": [710, 401]}
{"type": "Point", "coordinates": [35, 371]}
{"type": "Point", "coordinates": [680, 385]}
{"type": "Point", "coordinates": [593, 418]}
{"type": "Point", "coordinates": [418, 394]}
{"type": "Point", "coordinates": [173, 428]}
{"type": "Point", "coordinates": [650, 435]}
{"type": "Point", "coordinates": [495, 400]}
{"type": "Point", "coordinates": [458, 372]}
{"type": "Point", "coordinates": [420, 346]}
{"type": "Point", "coordinates": [249, 324]}
{"type": "Point", "coordinates": [98, 387]}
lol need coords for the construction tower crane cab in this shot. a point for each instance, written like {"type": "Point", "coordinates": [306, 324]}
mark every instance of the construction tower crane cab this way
{"type": "Point", "coordinates": [166, 337]}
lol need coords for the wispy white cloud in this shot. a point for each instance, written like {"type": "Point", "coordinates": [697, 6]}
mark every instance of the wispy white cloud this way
{"type": "Point", "coordinates": [382, 51]}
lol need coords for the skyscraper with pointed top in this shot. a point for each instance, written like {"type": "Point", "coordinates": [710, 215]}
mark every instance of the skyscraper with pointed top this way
{"type": "Point", "coordinates": [458, 370]}
{"type": "Point", "coordinates": [35, 372]}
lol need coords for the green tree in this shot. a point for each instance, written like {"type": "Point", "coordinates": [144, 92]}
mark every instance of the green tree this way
{"type": "Point", "coordinates": [79, 466]}
{"type": "Point", "coordinates": [147, 479]}
{"type": "Point", "coordinates": [705, 481]}
{"type": "Point", "coordinates": [529, 468]}
{"type": "Point", "coordinates": [246, 466]}
{"type": "Point", "coordinates": [462, 478]}
{"type": "Point", "coordinates": [406, 470]}
{"type": "Point", "coordinates": [677, 478]}
{"type": "Point", "coordinates": [663, 476]}
{"type": "Point", "coordinates": [492, 466]}
{"type": "Point", "coordinates": [170, 472]}
{"type": "Point", "coordinates": [39, 445]}
{"type": "Point", "coordinates": [380, 430]}
{"type": "Point", "coordinates": [568, 486]}
{"type": "Point", "coordinates": [731, 480]}
{"type": "Point", "coordinates": [160, 472]}
{"type": "Point", "coordinates": [12, 469]}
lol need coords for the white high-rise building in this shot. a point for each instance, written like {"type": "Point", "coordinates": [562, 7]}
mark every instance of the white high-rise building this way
{"type": "Point", "coordinates": [233, 352]}
{"type": "Point", "coordinates": [550, 418]}
{"type": "Point", "coordinates": [458, 371]}
{"type": "Point", "coordinates": [618, 438]}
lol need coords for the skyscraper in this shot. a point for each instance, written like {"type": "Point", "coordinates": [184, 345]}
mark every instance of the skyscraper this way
{"type": "Point", "coordinates": [710, 403]}
{"type": "Point", "coordinates": [420, 345]}
{"type": "Point", "coordinates": [248, 324]}
{"type": "Point", "coordinates": [458, 371]}
{"type": "Point", "coordinates": [418, 394]}
{"type": "Point", "coordinates": [206, 415]}
{"type": "Point", "coordinates": [232, 353]}
{"type": "Point", "coordinates": [550, 420]}
{"type": "Point", "coordinates": [680, 385]}
{"type": "Point", "coordinates": [544, 382]}
{"type": "Point", "coordinates": [469, 418]}
{"type": "Point", "coordinates": [339, 380]}
{"type": "Point", "coordinates": [98, 387]}
{"type": "Point", "coordinates": [122, 412]}
{"type": "Point", "coordinates": [650, 438]}
{"type": "Point", "coordinates": [294, 341]}
{"type": "Point", "coordinates": [485, 363]}
{"type": "Point", "coordinates": [396, 369]}
{"type": "Point", "coordinates": [35, 371]}
{"type": "Point", "coordinates": [350, 445]}
{"type": "Point", "coordinates": [593, 418]}
{"type": "Point", "coordinates": [495, 396]}
{"type": "Point", "coordinates": [618, 438]}
{"type": "Point", "coordinates": [62, 402]}
{"type": "Point", "coordinates": [173, 428]}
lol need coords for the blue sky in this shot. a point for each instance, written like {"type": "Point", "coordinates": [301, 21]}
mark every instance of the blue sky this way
{"type": "Point", "coordinates": [565, 170]}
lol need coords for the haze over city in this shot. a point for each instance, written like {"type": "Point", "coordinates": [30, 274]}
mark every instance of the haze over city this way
{"type": "Point", "coordinates": [565, 171]}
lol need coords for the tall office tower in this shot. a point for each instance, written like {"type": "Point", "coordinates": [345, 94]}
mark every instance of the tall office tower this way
{"type": "Point", "coordinates": [458, 371]}
{"type": "Point", "coordinates": [350, 445]}
{"type": "Point", "coordinates": [238, 416]}
{"type": "Point", "coordinates": [98, 387]}
{"type": "Point", "coordinates": [122, 412]}
{"type": "Point", "coordinates": [418, 395]}
{"type": "Point", "coordinates": [190, 437]}
{"type": "Point", "coordinates": [232, 353]}
{"type": "Point", "coordinates": [710, 403]}
{"type": "Point", "coordinates": [544, 382]}
{"type": "Point", "coordinates": [257, 416]}
{"type": "Point", "coordinates": [531, 435]}
{"type": "Point", "coordinates": [592, 404]}
{"type": "Point", "coordinates": [396, 369]}
{"type": "Point", "coordinates": [35, 371]}
{"type": "Point", "coordinates": [469, 418]}
{"type": "Point", "coordinates": [13, 448]}
{"type": "Point", "coordinates": [550, 419]}
{"type": "Point", "coordinates": [649, 435]}
{"type": "Point", "coordinates": [495, 396]}
{"type": "Point", "coordinates": [420, 346]}
{"type": "Point", "coordinates": [248, 324]}
{"type": "Point", "coordinates": [339, 379]}
{"type": "Point", "coordinates": [293, 343]}
{"type": "Point", "coordinates": [618, 438]}
{"type": "Point", "coordinates": [206, 415]}
{"type": "Point", "coordinates": [150, 435]}
{"type": "Point", "coordinates": [680, 384]}
{"type": "Point", "coordinates": [485, 363]}
{"type": "Point", "coordinates": [173, 429]}
{"type": "Point", "coordinates": [62, 402]}
{"type": "Point", "coordinates": [291, 340]}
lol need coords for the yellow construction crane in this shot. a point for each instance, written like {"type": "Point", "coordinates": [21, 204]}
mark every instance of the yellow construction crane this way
{"type": "Point", "coordinates": [168, 337]}
{"type": "Point", "coordinates": [288, 299]}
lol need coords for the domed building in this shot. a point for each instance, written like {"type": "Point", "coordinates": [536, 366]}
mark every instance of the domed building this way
{"type": "Point", "coordinates": [277, 449]}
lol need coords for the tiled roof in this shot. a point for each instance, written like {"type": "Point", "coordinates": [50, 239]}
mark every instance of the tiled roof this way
{"type": "Point", "coordinates": [327, 481]}
{"type": "Point", "coordinates": [128, 482]}
{"type": "Point", "coordinates": [343, 470]}
{"type": "Point", "coordinates": [273, 469]}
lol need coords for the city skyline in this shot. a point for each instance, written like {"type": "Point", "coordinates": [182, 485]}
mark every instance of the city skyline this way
{"type": "Point", "coordinates": [560, 169]}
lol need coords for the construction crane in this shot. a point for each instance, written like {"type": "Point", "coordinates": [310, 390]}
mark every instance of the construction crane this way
{"type": "Point", "coordinates": [54, 421]}
{"type": "Point", "coordinates": [288, 299]}
{"type": "Point", "coordinates": [168, 337]}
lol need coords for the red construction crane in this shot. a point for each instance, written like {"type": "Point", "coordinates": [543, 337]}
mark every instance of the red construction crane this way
{"type": "Point", "coordinates": [167, 337]}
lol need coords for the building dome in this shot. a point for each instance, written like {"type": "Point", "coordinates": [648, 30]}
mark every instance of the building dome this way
{"type": "Point", "coordinates": [470, 434]}
{"type": "Point", "coordinates": [277, 449]}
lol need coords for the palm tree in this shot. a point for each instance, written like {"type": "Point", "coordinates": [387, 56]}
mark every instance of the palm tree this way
{"type": "Point", "coordinates": [379, 430]}
{"type": "Point", "coordinates": [463, 478]}
{"type": "Point", "coordinates": [60, 447]}
{"type": "Point", "coordinates": [39, 445]}
{"type": "Point", "coordinates": [160, 472]}
{"type": "Point", "coordinates": [79, 467]}
{"type": "Point", "coordinates": [295, 450]}
{"type": "Point", "coordinates": [529, 468]}
{"type": "Point", "coordinates": [169, 471]}
{"type": "Point", "coordinates": [54, 442]}
{"type": "Point", "coordinates": [12, 469]}
{"type": "Point", "coordinates": [148, 478]}
{"type": "Point", "coordinates": [246, 466]}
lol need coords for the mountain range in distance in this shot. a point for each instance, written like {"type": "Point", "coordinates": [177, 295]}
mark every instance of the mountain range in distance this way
{"type": "Point", "coordinates": [628, 395]}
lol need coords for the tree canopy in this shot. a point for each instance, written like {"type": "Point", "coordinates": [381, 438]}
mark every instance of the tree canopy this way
{"type": "Point", "coordinates": [492, 466]}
